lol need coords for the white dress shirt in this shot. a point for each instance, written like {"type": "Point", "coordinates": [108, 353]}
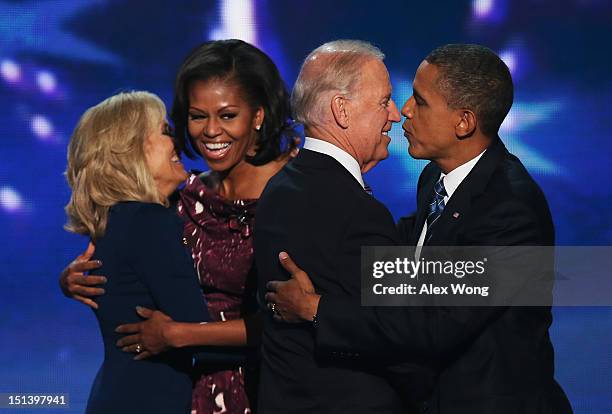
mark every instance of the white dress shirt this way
{"type": "Point", "coordinates": [451, 181]}
{"type": "Point", "coordinates": [343, 157]}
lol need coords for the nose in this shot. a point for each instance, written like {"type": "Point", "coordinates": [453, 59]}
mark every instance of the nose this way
{"type": "Point", "coordinates": [394, 115]}
{"type": "Point", "coordinates": [212, 128]}
{"type": "Point", "coordinates": [407, 108]}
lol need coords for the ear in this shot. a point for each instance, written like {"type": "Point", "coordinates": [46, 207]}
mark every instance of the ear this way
{"type": "Point", "coordinates": [466, 125]}
{"type": "Point", "coordinates": [259, 118]}
{"type": "Point", "coordinates": [340, 110]}
{"type": "Point", "coordinates": [148, 145]}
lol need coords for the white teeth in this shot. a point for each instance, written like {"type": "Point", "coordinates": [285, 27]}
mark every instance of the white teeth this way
{"type": "Point", "coordinates": [175, 158]}
{"type": "Point", "coordinates": [385, 132]}
{"type": "Point", "coordinates": [217, 145]}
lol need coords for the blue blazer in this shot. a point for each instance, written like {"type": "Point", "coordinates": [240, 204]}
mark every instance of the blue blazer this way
{"type": "Point", "coordinates": [146, 264]}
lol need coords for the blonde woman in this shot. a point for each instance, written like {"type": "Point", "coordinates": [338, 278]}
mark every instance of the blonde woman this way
{"type": "Point", "coordinates": [122, 167]}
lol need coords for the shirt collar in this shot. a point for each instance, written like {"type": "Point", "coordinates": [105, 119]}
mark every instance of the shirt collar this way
{"type": "Point", "coordinates": [456, 176]}
{"type": "Point", "coordinates": [343, 157]}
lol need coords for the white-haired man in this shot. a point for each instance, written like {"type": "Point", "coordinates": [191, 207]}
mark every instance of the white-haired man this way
{"type": "Point", "coordinates": [319, 209]}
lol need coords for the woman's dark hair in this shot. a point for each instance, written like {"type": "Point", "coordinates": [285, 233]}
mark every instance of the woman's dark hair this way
{"type": "Point", "coordinates": [260, 84]}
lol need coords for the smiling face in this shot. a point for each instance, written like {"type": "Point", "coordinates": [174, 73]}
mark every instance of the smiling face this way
{"type": "Point", "coordinates": [222, 125]}
{"type": "Point", "coordinates": [430, 125]}
{"type": "Point", "coordinates": [373, 112]}
{"type": "Point", "coordinates": [162, 161]}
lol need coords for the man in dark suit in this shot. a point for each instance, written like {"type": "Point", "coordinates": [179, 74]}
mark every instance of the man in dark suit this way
{"type": "Point", "coordinates": [473, 193]}
{"type": "Point", "coordinates": [318, 208]}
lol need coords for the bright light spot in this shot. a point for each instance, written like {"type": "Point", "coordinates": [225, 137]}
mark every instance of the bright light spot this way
{"type": "Point", "coordinates": [10, 200]}
{"type": "Point", "coordinates": [482, 8]}
{"type": "Point", "coordinates": [510, 59]}
{"type": "Point", "coordinates": [237, 21]}
{"type": "Point", "coordinates": [41, 126]}
{"type": "Point", "coordinates": [11, 71]}
{"type": "Point", "coordinates": [46, 81]}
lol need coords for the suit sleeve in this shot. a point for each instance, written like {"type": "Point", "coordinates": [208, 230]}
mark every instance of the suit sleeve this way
{"type": "Point", "coordinates": [163, 263]}
{"type": "Point", "coordinates": [436, 333]}
{"type": "Point", "coordinates": [405, 228]}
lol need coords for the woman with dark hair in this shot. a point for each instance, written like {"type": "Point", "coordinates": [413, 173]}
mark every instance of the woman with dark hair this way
{"type": "Point", "coordinates": [231, 108]}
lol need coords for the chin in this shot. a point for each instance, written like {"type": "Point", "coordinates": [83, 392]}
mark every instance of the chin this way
{"type": "Point", "coordinates": [217, 166]}
{"type": "Point", "coordinates": [225, 164]}
{"type": "Point", "coordinates": [414, 153]}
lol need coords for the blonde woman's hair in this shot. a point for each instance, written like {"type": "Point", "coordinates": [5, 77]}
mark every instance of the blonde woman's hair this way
{"type": "Point", "coordinates": [106, 159]}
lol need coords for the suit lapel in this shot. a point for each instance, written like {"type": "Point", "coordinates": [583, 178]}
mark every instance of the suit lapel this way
{"type": "Point", "coordinates": [424, 195]}
{"type": "Point", "coordinates": [473, 185]}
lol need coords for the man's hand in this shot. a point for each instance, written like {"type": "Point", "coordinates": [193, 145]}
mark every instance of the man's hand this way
{"type": "Point", "coordinates": [294, 300]}
{"type": "Point", "coordinates": [76, 285]}
{"type": "Point", "coordinates": [149, 336]}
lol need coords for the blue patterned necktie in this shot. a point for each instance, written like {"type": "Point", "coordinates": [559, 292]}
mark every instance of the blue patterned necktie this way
{"type": "Point", "coordinates": [435, 207]}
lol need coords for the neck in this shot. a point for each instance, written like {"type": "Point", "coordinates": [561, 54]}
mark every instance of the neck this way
{"type": "Point", "coordinates": [247, 181]}
{"type": "Point", "coordinates": [462, 153]}
{"type": "Point", "coordinates": [337, 138]}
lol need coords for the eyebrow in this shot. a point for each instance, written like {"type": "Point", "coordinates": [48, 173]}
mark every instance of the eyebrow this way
{"type": "Point", "coordinates": [220, 109]}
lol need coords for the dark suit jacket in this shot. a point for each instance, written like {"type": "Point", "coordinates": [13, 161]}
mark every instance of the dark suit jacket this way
{"type": "Point", "coordinates": [146, 264]}
{"type": "Point", "coordinates": [316, 211]}
{"type": "Point", "coordinates": [490, 360]}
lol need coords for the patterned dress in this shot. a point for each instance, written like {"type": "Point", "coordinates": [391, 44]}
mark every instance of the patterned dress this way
{"type": "Point", "coordinates": [218, 231]}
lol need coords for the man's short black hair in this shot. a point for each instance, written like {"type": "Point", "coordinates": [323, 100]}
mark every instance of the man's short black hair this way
{"type": "Point", "coordinates": [475, 78]}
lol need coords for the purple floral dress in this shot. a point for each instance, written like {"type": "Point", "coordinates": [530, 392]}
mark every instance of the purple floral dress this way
{"type": "Point", "coordinates": [218, 231]}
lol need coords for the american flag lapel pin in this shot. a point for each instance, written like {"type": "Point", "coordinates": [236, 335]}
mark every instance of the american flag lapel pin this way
{"type": "Point", "coordinates": [456, 214]}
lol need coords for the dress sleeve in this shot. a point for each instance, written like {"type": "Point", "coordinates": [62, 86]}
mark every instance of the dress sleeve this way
{"type": "Point", "coordinates": [163, 263]}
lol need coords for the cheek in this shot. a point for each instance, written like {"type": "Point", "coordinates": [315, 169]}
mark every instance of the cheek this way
{"type": "Point", "coordinates": [240, 131]}
{"type": "Point", "coordinates": [155, 166]}
{"type": "Point", "coordinates": [193, 129]}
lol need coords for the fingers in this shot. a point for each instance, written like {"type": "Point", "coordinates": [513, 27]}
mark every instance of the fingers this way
{"type": "Point", "coordinates": [126, 342]}
{"type": "Point", "coordinates": [128, 328]}
{"type": "Point", "coordinates": [144, 312]}
{"type": "Point", "coordinates": [288, 263]}
{"type": "Point", "coordinates": [133, 348]}
{"type": "Point", "coordinates": [93, 280]}
{"type": "Point", "coordinates": [80, 280]}
{"type": "Point", "coordinates": [80, 285]}
{"type": "Point", "coordinates": [88, 252]}
{"type": "Point", "coordinates": [86, 291]}
{"type": "Point", "coordinates": [84, 266]}
{"type": "Point", "coordinates": [296, 273]}
{"type": "Point", "coordinates": [304, 281]}
{"type": "Point", "coordinates": [270, 298]}
{"type": "Point", "coordinates": [143, 355]}
{"type": "Point", "coordinates": [86, 301]}
{"type": "Point", "coordinates": [273, 285]}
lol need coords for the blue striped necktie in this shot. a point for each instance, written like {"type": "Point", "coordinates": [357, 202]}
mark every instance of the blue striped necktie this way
{"type": "Point", "coordinates": [436, 207]}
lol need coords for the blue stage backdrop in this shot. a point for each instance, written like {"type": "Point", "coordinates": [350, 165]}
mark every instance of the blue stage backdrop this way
{"type": "Point", "coordinates": [57, 58]}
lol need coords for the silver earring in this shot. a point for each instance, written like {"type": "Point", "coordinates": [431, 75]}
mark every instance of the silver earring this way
{"type": "Point", "coordinates": [257, 127]}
